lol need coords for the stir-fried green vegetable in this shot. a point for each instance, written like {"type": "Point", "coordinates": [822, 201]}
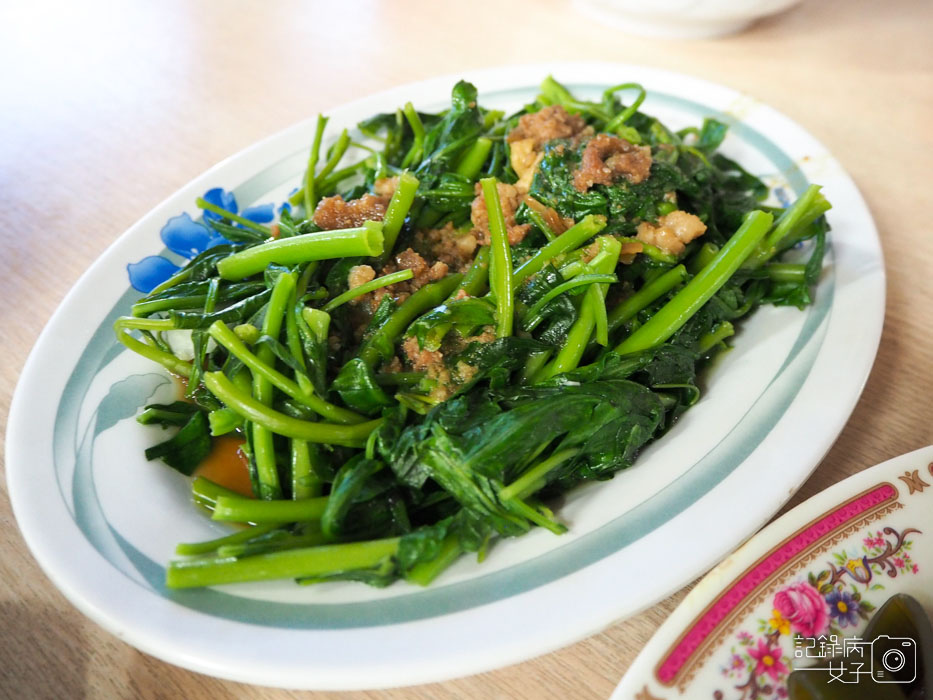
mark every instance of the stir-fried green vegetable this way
{"type": "Point", "coordinates": [438, 339]}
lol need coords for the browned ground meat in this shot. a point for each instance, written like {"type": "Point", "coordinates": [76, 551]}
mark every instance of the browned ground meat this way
{"type": "Point", "coordinates": [510, 198]}
{"type": "Point", "coordinates": [423, 272]}
{"type": "Point", "coordinates": [607, 158]}
{"type": "Point", "coordinates": [672, 232]}
{"type": "Point", "coordinates": [547, 124]}
{"type": "Point", "coordinates": [360, 274]}
{"type": "Point", "coordinates": [421, 359]}
{"type": "Point", "coordinates": [392, 366]}
{"type": "Point", "coordinates": [431, 362]}
{"type": "Point", "coordinates": [487, 336]}
{"type": "Point", "coordinates": [385, 186]}
{"type": "Point", "coordinates": [375, 298]}
{"type": "Point", "coordinates": [448, 245]}
{"type": "Point", "coordinates": [333, 212]}
{"type": "Point", "coordinates": [526, 141]}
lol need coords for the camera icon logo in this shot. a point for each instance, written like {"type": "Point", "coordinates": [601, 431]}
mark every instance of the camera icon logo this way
{"type": "Point", "coordinates": [894, 659]}
{"type": "Point", "coordinates": [885, 659]}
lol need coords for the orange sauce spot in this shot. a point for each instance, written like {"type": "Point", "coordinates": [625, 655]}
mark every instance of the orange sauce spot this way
{"type": "Point", "coordinates": [227, 465]}
{"type": "Point", "coordinates": [275, 230]}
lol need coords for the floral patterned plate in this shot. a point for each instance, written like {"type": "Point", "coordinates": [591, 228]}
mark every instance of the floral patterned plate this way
{"type": "Point", "coordinates": [810, 580]}
{"type": "Point", "coordinates": [103, 522]}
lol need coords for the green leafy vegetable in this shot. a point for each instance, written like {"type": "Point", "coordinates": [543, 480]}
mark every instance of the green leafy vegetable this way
{"type": "Point", "coordinates": [417, 386]}
{"type": "Point", "coordinates": [190, 445]}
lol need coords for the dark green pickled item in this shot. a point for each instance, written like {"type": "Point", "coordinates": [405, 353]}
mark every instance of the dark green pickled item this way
{"type": "Point", "coordinates": [898, 630]}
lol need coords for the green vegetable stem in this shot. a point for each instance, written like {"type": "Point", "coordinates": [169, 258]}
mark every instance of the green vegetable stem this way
{"type": "Point", "coordinates": [698, 291]}
{"type": "Point", "coordinates": [366, 240]}
{"type": "Point", "coordinates": [305, 562]}
{"type": "Point", "coordinates": [282, 424]}
{"type": "Point", "coordinates": [500, 274]}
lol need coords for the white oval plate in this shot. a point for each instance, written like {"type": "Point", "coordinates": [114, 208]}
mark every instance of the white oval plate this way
{"type": "Point", "coordinates": [103, 522]}
{"type": "Point", "coordinates": [821, 569]}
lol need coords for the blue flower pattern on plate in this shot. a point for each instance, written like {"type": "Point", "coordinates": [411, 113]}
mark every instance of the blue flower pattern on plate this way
{"type": "Point", "coordinates": [186, 237]}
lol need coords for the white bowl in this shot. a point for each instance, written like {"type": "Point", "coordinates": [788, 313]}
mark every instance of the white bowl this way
{"type": "Point", "coordinates": [682, 19]}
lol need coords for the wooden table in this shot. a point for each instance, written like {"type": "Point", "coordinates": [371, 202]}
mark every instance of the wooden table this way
{"type": "Point", "coordinates": [107, 108]}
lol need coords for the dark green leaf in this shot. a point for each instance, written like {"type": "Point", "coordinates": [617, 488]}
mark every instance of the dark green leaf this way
{"type": "Point", "coordinates": [187, 448]}
{"type": "Point", "coordinates": [358, 388]}
{"type": "Point", "coordinates": [349, 482]}
{"type": "Point", "coordinates": [464, 315]}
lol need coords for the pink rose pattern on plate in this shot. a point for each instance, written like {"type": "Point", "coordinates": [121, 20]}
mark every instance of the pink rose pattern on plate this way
{"type": "Point", "coordinates": [803, 608]}
{"type": "Point", "coordinates": [832, 601]}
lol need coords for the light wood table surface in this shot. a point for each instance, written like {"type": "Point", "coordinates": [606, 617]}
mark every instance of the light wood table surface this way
{"type": "Point", "coordinates": [108, 108]}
